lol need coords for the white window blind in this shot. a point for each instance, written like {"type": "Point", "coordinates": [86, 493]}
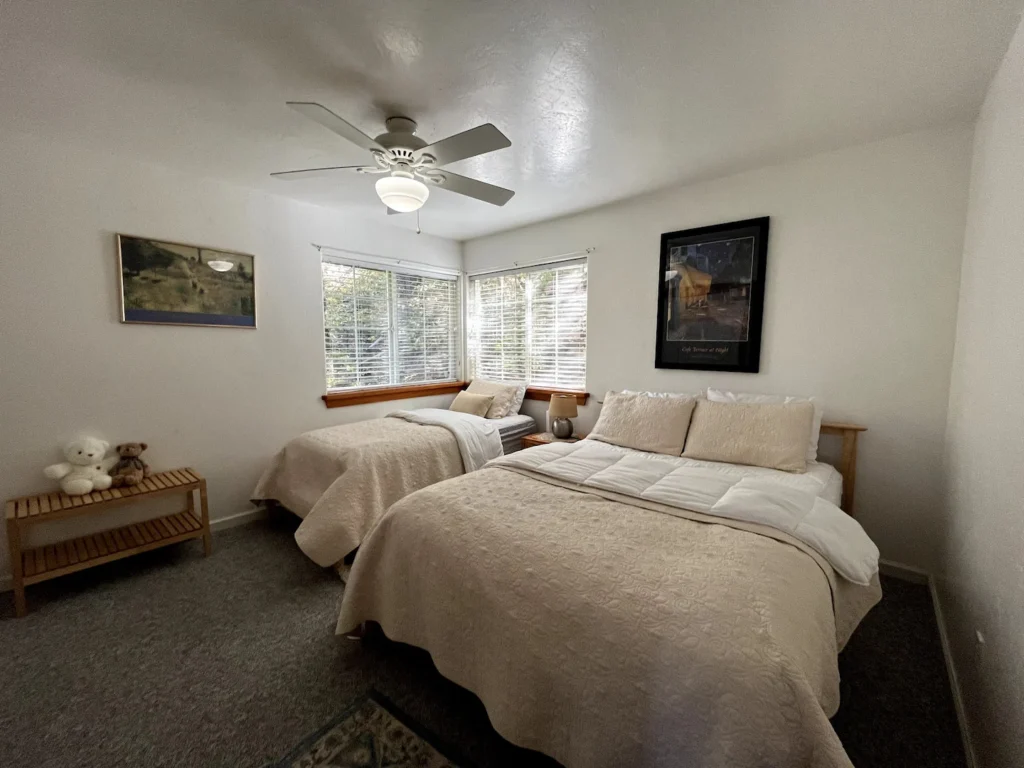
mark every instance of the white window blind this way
{"type": "Point", "coordinates": [531, 325]}
{"type": "Point", "coordinates": [388, 327]}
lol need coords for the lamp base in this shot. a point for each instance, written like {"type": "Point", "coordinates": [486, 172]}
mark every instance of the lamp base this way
{"type": "Point", "coordinates": [561, 428]}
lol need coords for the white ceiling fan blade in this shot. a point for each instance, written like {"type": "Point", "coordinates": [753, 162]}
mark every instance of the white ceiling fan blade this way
{"type": "Point", "coordinates": [332, 122]}
{"type": "Point", "coordinates": [476, 141]}
{"type": "Point", "coordinates": [480, 190]}
{"type": "Point", "coordinates": [309, 173]}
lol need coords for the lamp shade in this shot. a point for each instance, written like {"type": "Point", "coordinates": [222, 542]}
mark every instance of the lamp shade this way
{"type": "Point", "coordinates": [402, 193]}
{"type": "Point", "coordinates": [563, 407]}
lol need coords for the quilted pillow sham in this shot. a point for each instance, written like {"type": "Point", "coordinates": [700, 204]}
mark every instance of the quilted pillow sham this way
{"type": "Point", "coordinates": [505, 395]}
{"type": "Point", "coordinates": [644, 423]}
{"type": "Point", "coordinates": [772, 435]}
{"type": "Point", "coordinates": [721, 396]}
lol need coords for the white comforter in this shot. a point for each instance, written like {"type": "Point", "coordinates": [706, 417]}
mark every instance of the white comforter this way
{"type": "Point", "coordinates": [784, 502]}
{"type": "Point", "coordinates": [478, 439]}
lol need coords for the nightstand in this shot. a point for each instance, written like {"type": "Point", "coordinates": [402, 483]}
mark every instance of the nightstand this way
{"type": "Point", "coordinates": [543, 438]}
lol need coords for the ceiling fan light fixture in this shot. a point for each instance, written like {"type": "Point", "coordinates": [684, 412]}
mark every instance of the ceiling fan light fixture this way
{"type": "Point", "coordinates": [402, 193]}
{"type": "Point", "coordinates": [408, 159]}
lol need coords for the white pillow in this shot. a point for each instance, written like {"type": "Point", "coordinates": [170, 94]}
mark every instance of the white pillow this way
{"type": "Point", "coordinates": [517, 403]}
{"type": "Point", "coordinates": [644, 423]}
{"type": "Point", "coordinates": [721, 396]}
{"type": "Point", "coordinates": [662, 394]}
{"type": "Point", "coordinates": [772, 435]}
{"type": "Point", "coordinates": [504, 396]}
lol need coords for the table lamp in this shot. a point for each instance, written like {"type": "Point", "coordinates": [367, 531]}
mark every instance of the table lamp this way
{"type": "Point", "coordinates": [563, 408]}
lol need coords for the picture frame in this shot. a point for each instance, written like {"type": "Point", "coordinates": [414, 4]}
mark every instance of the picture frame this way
{"type": "Point", "coordinates": [164, 282]}
{"type": "Point", "coordinates": [711, 297]}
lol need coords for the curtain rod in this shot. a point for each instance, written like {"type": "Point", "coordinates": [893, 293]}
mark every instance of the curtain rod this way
{"type": "Point", "coordinates": [570, 256]}
{"type": "Point", "coordinates": [388, 259]}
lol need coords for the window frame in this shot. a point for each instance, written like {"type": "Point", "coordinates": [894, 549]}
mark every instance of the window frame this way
{"type": "Point", "coordinates": [533, 392]}
{"type": "Point", "coordinates": [334, 397]}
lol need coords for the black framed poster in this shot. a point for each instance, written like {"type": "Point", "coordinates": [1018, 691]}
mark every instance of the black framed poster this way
{"type": "Point", "coordinates": [711, 297]}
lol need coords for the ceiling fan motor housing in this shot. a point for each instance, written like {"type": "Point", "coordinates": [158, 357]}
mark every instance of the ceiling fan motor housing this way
{"type": "Point", "coordinates": [401, 135]}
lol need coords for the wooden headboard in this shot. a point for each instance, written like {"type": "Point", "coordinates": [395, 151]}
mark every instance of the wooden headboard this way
{"type": "Point", "coordinates": [847, 459]}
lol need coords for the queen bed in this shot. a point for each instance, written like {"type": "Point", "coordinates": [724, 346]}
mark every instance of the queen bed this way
{"type": "Point", "coordinates": [614, 606]}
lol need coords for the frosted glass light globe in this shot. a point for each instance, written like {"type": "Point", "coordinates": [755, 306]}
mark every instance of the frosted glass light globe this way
{"type": "Point", "coordinates": [402, 194]}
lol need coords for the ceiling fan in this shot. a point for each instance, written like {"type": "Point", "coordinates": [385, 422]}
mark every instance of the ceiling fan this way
{"type": "Point", "coordinates": [410, 163]}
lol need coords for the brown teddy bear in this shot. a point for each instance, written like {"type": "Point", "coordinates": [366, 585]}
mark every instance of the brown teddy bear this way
{"type": "Point", "coordinates": [130, 468]}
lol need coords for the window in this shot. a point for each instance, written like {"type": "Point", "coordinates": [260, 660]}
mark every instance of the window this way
{"type": "Point", "coordinates": [387, 327]}
{"type": "Point", "coordinates": [531, 326]}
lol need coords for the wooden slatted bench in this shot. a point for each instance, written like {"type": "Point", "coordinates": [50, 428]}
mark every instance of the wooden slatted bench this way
{"type": "Point", "coordinates": [31, 566]}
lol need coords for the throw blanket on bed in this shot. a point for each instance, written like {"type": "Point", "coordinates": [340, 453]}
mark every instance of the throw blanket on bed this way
{"type": "Point", "coordinates": [781, 502]}
{"type": "Point", "coordinates": [478, 439]}
{"type": "Point", "coordinates": [608, 630]}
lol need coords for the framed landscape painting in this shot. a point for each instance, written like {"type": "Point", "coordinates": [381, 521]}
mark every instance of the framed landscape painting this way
{"type": "Point", "coordinates": [178, 284]}
{"type": "Point", "coordinates": [711, 297]}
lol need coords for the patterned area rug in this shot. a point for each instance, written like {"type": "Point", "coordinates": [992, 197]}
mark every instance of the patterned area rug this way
{"type": "Point", "coordinates": [372, 733]}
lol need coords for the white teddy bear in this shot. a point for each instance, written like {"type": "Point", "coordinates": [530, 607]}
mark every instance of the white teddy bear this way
{"type": "Point", "coordinates": [86, 468]}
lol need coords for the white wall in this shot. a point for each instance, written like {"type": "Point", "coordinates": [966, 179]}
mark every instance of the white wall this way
{"type": "Point", "coordinates": [983, 568]}
{"type": "Point", "coordinates": [860, 306]}
{"type": "Point", "coordinates": [221, 400]}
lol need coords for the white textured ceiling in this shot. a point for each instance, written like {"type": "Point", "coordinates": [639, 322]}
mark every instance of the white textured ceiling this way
{"type": "Point", "coordinates": [602, 100]}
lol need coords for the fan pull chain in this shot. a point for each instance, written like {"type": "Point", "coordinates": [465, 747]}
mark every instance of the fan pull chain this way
{"type": "Point", "coordinates": [418, 230]}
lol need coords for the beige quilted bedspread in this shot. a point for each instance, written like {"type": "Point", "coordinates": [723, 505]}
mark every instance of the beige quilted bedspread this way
{"type": "Point", "coordinates": [341, 480]}
{"type": "Point", "coordinates": [606, 634]}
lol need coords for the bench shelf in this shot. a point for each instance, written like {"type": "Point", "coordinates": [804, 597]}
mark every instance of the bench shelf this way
{"type": "Point", "coordinates": [33, 565]}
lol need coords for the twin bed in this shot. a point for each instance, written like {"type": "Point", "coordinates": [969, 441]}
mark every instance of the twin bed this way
{"type": "Point", "coordinates": [633, 599]}
{"type": "Point", "coordinates": [341, 480]}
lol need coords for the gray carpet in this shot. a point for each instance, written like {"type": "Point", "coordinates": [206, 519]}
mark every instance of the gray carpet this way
{"type": "Point", "coordinates": [171, 659]}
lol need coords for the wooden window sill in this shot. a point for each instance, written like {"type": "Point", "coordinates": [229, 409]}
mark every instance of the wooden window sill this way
{"type": "Point", "coordinates": [544, 393]}
{"type": "Point", "coordinates": [381, 394]}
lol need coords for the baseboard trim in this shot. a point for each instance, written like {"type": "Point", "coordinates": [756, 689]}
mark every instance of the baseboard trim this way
{"type": "Point", "coordinates": [954, 681]}
{"type": "Point", "coordinates": [904, 572]}
{"type": "Point", "coordinates": [242, 518]}
{"type": "Point", "coordinates": [919, 576]}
